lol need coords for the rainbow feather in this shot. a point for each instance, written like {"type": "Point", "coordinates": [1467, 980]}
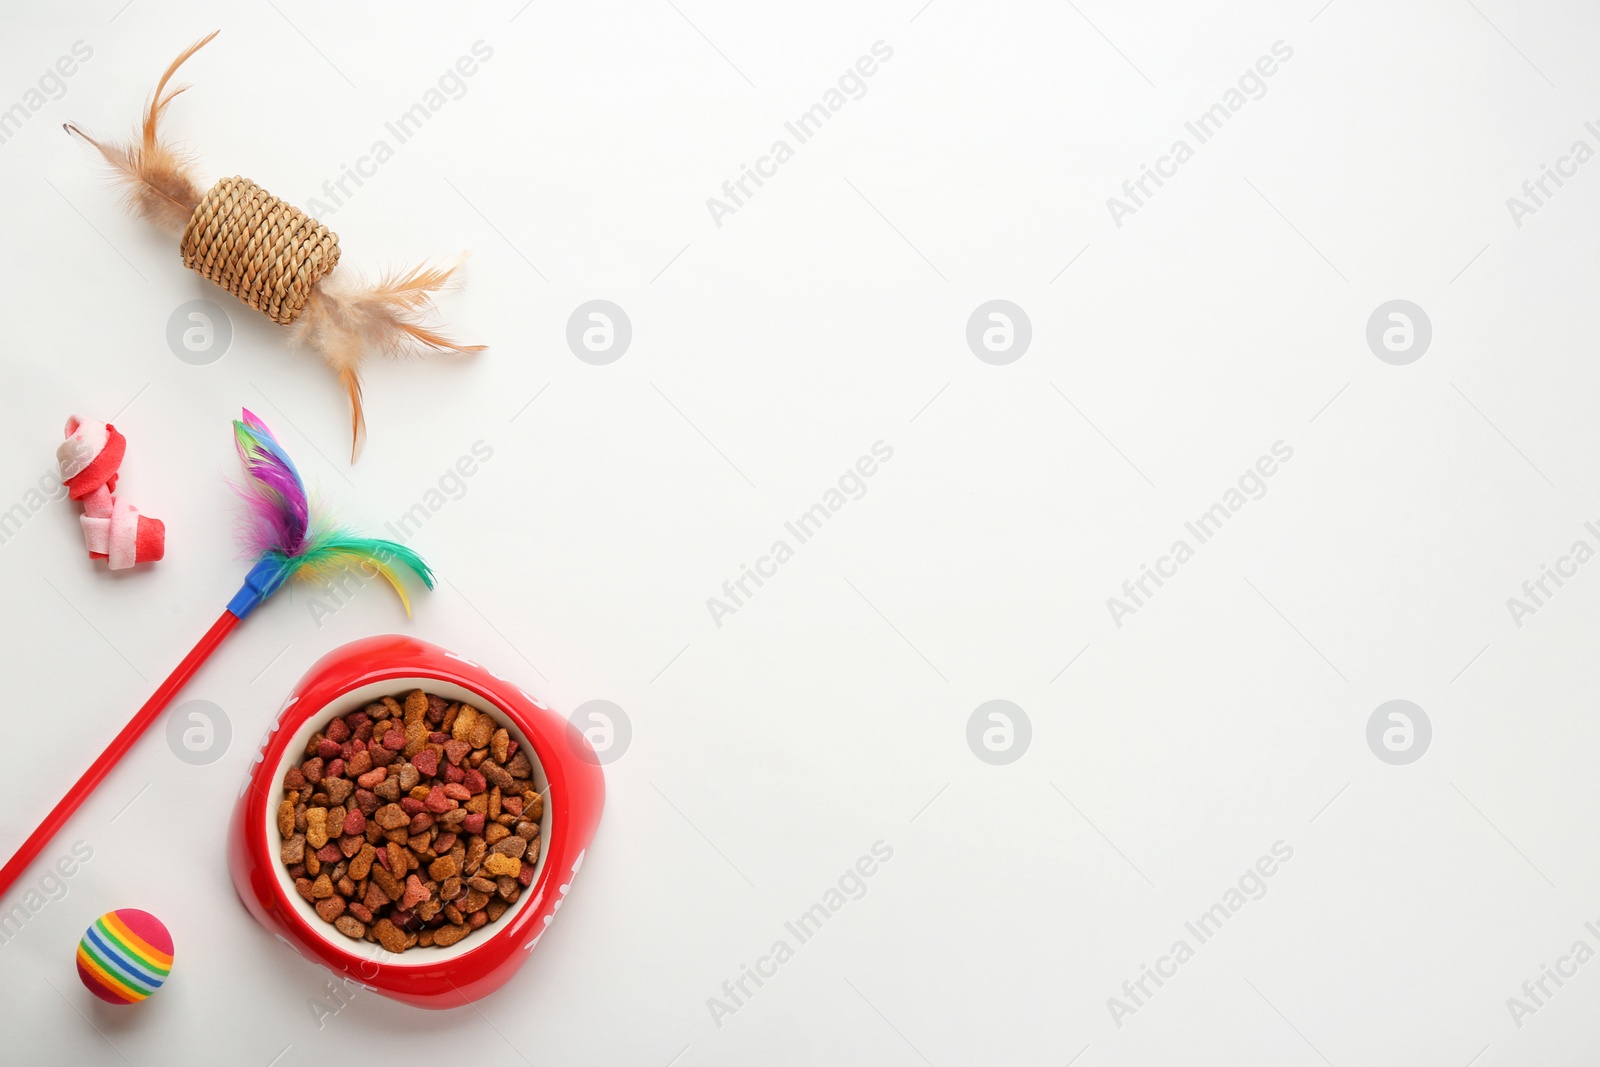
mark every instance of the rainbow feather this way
{"type": "Point", "coordinates": [293, 539]}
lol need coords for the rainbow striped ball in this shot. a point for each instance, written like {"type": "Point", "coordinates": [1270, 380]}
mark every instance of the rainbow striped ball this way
{"type": "Point", "coordinates": [125, 956]}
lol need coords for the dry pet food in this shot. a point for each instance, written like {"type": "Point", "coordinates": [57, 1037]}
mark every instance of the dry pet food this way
{"type": "Point", "coordinates": [411, 822]}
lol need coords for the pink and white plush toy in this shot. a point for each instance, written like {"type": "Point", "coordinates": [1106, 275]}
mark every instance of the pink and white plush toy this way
{"type": "Point", "coordinates": [113, 530]}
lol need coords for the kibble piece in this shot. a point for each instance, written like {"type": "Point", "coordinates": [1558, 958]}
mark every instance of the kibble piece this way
{"type": "Point", "coordinates": [511, 845]}
{"type": "Point", "coordinates": [446, 936]}
{"type": "Point", "coordinates": [498, 865]}
{"type": "Point", "coordinates": [330, 908]}
{"type": "Point", "coordinates": [286, 821]}
{"type": "Point", "coordinates": [391, 816]}
{"type": "Point", "coordinates": [361, 862]}
{"type": "Point", "coordinates": [293, 850]}
{"type": "Point", "coordinates": [461, 730]}
{"type": "Point", "coordinates": [415, 893]}
{"type": "Point", "coordinates": [390, 936]}
{"type": "Point", "coordinates": [316, 827]}
{"type": "Point", "coordinates": [443, 868]}
{"type": "Point", "coordinates": [388, 883]}
{"type": "Point", "coordinates": [499, 776]}
{"type": "Point", "coordinates": [350, 926]}
{"type": "Point", "coordinates": [482, 731]}
{"type": "Point", "coordinates": [322, 887]}
{"type": "Point", "coordinates": [416, 706]}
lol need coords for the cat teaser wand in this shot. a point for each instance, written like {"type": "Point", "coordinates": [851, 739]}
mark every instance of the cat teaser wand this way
{"type": "Point", "coordinates": [290, 539]}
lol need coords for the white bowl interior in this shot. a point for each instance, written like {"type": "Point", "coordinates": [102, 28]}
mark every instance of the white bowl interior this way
{"type": "Point", "coordinates": [355, 700]}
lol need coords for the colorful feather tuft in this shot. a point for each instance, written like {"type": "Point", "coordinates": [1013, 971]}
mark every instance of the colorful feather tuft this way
{"type": "Point", "coordinates": [292, 539]}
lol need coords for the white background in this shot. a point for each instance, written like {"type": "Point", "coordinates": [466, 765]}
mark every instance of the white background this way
{"type": "Point", "coordinates": [768, 354]}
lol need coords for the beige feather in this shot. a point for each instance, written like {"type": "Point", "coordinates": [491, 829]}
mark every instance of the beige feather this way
{"type": "Point", "coordinates": [156, 177]}
{"type": "Point", "coordinates": [346, 318]}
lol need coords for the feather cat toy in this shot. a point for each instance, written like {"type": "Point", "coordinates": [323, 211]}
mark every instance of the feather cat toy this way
{"type": "Point", "coordinates": [275, 257]}
{"type": "Point", "coordinates": [289, 538]}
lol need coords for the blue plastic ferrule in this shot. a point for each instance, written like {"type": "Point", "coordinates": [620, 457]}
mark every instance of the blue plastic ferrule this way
{"type": "Point", "coordinates": [262, 581]}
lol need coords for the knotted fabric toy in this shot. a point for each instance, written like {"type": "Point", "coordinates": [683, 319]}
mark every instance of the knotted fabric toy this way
{"type": "Point", "coordinates": [113, 530]}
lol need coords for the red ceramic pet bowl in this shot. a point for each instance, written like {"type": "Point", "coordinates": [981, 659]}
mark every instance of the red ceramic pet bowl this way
{"type": "Point", "coordinates": [565, 771]}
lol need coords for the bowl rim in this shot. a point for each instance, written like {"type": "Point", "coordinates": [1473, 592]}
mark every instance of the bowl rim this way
{"type": "Point", "coordinates": [399, 675]}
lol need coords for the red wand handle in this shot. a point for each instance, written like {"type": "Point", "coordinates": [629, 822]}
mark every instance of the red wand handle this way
{"type": "Point", "coordinates": [115, 751]}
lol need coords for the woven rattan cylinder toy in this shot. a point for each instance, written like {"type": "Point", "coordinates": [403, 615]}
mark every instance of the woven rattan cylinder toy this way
{"type": "Point", "coordinates": [265, 252]}
{"type": "Point", "coordinates": [274, 257]}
